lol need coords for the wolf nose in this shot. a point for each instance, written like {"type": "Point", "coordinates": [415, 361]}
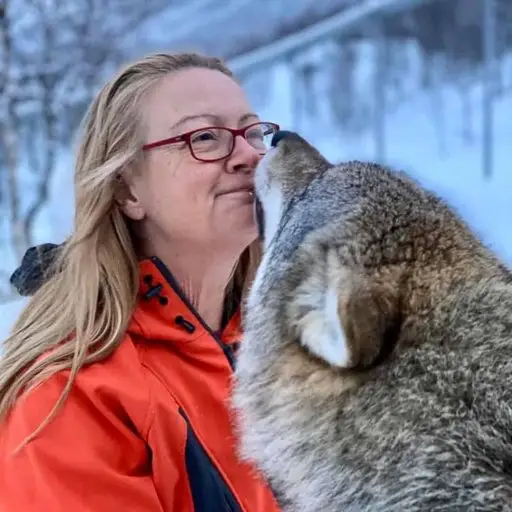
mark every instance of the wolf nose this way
{"type": "Point", "coordinates": [281, 134]}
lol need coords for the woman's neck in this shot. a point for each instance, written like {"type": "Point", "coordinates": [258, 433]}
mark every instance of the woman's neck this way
{"type": "Point", "coordinates": [204, 282]}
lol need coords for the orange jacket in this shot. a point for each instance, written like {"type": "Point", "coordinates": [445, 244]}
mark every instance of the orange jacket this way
{"type": "Point", "coordinates": [149, 429]}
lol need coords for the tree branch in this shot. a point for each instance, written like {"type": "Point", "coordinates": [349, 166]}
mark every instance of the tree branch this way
{"type": "Point", "coordinates": [45, 86]}
{"type": "Point", "coordinates": [8, 132]}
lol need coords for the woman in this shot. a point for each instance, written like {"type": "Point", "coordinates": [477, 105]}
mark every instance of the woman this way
{"type": "Point", "coordinates": [115, 383]}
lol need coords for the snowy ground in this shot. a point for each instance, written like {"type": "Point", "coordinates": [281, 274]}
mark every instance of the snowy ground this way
{"type": "Point", "coordinates": [8, 314]}
{"type": "Point", "coordinates": [445, 162]}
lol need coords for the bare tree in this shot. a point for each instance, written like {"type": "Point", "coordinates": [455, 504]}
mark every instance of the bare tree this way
{"type": "Point", "coordinates": [8, 118]}
{"type": "Point", "coordinates": [53, 56]}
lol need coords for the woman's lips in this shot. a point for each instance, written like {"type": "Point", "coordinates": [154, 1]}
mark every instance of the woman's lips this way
{"type": "Point", "coordinates": [241, 193]}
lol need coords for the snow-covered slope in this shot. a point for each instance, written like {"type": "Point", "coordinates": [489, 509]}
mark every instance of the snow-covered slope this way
{"type": "Point", "coordinates": [227, 27]}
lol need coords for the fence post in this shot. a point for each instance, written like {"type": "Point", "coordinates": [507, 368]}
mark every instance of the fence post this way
{"type": "Point", "coordinates": [489, 86]}
{"type": "Point", "coordinates": [379, 89]}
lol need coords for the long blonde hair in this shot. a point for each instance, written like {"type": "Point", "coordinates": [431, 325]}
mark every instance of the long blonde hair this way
{"type": "Point", "coordinates": [80, 314]}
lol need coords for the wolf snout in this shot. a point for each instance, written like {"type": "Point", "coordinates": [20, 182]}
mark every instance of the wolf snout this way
{"type": "Point", "coordinates": [280, 135]}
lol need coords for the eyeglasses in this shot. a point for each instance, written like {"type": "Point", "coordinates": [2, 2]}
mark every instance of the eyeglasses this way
{"type": "Point", "coordinates": [214, 143]}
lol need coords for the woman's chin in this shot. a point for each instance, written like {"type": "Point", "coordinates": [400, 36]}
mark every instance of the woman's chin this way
{"type": "Point", "coordinates": [236, 224]}
{"type": "Point", "coordinates": [244, 232]}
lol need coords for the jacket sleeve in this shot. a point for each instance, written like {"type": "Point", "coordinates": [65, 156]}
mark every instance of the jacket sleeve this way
{"type": "Point", "coordinates": [91, 457]}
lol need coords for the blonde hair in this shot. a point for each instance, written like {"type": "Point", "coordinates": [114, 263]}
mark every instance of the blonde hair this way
{"type": "Point", "coordinates": [80, 314]}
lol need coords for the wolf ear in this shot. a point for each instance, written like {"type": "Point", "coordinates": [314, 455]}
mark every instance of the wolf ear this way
{"type": "Point", "coordinates": [346, 318]}
{"type": "Point", "coordinates": [369, 314]}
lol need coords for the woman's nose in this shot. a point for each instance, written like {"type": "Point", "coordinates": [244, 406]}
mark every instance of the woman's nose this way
{"type": "Point", "coordinates": [244, 157]}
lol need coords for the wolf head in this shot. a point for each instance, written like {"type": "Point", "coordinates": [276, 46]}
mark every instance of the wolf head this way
{"type": "Point", "coordinates": [350, 251]}
{"type": "Point", "coordinates": [280, 184]}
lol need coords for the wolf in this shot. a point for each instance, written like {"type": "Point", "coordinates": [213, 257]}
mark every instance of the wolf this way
{"type": "Point", "coordinates": [375, 372]}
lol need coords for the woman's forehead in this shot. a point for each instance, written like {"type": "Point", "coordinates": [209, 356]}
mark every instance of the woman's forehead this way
{"type": "Point", "coordinates": [195, 92]}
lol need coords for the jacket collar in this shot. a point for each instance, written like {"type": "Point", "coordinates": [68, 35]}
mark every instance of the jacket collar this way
{"type": "Point", "coordinates": [163, 312]}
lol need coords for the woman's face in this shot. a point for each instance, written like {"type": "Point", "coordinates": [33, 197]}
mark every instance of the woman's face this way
{"type": "Point", "coordinates": [179, 200]}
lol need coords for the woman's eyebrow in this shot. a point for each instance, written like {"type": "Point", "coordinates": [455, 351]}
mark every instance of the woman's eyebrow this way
{"type": "Point", "coordinates": [214, 119]}
{"type": "Point", "coordinates": [210, 117]}
{"type": "Point", "coordinates": [247, 117]}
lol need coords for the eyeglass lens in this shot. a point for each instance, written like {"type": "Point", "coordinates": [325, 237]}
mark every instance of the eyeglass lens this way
{"type": "Point", "coordinates": [218, 142]}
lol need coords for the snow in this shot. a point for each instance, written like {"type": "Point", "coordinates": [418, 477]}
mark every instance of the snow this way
{"type": "Point", "coordinates": [8, 314]}
{"type": "Point", "coordinates": [426, 135]}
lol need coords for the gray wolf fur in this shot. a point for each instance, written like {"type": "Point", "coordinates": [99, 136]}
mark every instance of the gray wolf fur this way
{"type": "Point", "coordinates": [376, 369]}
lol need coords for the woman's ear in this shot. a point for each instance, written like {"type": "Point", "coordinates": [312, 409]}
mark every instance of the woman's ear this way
{"type": "Point", "coordinates": [126, 197]}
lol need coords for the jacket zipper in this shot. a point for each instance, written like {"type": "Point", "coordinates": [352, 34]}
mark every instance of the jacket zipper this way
{"type": "Point", "coordinates": [226, 349]}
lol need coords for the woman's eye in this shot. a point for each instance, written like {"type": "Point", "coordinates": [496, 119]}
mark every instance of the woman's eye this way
{"type": "Point", "coordinates": [204, 136]}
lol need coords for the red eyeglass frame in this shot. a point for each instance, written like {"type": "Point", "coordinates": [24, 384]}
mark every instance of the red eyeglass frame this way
{"type": "Point", "coordinates": [185, 137]}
